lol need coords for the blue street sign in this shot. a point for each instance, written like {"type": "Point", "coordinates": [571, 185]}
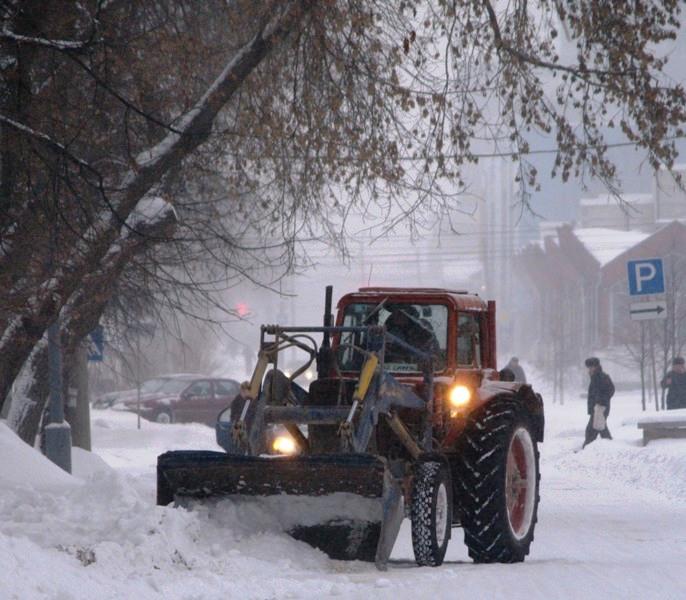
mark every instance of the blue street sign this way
{"type": "Point", "coordinates": [96, 344]}
{"type": "Point", "coordinates": [646, 277]}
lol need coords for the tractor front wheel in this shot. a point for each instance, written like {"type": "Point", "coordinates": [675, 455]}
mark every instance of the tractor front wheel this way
{"type": "Point", "coordinates": [431, 513]}
{"type": "Point", "coordinates": [498, 484]}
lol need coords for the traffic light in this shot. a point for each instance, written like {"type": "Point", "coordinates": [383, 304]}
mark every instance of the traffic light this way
{"type": "Point", "coordinates": [242, 310]}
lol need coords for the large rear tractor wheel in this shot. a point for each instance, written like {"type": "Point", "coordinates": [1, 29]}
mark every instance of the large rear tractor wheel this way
{"type": "Point", "coordinates": [431, 513]}
{"type": "Point", "coordinates": [498, 484]}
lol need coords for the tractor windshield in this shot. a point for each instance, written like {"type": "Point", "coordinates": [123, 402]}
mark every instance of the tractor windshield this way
{"type": "Point", "coordinates": [424, 326]}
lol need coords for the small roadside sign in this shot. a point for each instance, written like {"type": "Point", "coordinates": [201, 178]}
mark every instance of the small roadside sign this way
{"type": "Point", "coordinates": [96, 344]}
{"type": "Point", "coordinates": [645, 311]}
{"type": "Point", "coordinates": [646, 276]}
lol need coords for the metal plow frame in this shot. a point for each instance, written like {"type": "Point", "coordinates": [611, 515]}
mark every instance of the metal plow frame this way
{"type": "Point", "coordinates": [352, 469]}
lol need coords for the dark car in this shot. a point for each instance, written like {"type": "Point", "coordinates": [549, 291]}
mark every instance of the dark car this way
{"type": "Point", "coordinates": [149, 389]}
{"type": "Point", "coordinates": [185, 400]}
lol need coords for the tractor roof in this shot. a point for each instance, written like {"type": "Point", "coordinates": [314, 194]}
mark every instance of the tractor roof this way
{"type": "Point", "coordinates": [459, 299]}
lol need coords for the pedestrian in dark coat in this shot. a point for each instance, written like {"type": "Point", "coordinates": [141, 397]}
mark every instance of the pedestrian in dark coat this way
{"type": "Point", "coordinates": [675, 382]}
{"type": "Point", "coordinates": [600, 392]}
{"type": "Point", "coordinates": [516, 369]}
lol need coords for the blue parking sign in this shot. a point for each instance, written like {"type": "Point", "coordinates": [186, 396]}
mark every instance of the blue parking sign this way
{"type": "Point", "coordinates": [646, 277]}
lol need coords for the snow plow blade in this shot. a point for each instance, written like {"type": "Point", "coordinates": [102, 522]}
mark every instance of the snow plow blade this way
{"type": "Point", "coordinates": [349, 505]}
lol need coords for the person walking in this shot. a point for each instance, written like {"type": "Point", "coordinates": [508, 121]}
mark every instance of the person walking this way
{"type": "Point", "coordinates": [516, 369]}
{"type": "Point", "coordinates": [675, 382]}
{"type": "Point", "coordinates": [600, 392]}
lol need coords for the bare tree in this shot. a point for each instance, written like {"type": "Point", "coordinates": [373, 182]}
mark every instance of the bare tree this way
{"type": "Point", "coordinates": [265, 123]}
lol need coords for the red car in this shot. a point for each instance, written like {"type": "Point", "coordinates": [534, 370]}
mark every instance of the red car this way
{"type": "Point", "coordinates": [185, 400]}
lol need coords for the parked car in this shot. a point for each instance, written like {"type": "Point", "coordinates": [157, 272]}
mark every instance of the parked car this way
{"type": "Point", "coordinates": [186, 399]}
{"type": "Point", "coordinates": [149, 388]}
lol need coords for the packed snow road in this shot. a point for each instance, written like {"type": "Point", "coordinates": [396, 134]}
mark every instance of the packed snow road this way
{"type": "Point", "coordinates": [612, 524]}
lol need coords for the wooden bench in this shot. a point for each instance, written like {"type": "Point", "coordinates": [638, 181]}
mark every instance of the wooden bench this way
{"type": "Point", "coordinates": [669, 428]}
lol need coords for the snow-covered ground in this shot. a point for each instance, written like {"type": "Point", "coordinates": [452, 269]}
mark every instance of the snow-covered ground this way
{"type": "Point", "coordinates": [612, 524]}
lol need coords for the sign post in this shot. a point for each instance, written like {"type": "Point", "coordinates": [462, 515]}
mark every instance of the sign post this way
{"type": "Point", "coordinates": [646, 278]}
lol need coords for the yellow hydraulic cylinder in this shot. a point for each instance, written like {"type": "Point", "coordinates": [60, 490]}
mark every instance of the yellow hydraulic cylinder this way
{"type": "Point", "coordinates": [366, 375]}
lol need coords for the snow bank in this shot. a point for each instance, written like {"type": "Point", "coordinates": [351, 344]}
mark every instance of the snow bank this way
{"type": "Point", "coordinates": [22, 466]}
{"type": "Point", "coordinates": [611, 526]}
{"type": "Point", "coordinates": [86, 465]}
{"type": "Point", "coordinates": [658, 468]}
{"type": "Point", "coordinates": [99, 534]}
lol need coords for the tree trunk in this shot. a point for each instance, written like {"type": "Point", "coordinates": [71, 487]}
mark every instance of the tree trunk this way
{"type": "Point", "coordinates": [30, 395]}
{"type": "Point", "coordinates": [77, 411]}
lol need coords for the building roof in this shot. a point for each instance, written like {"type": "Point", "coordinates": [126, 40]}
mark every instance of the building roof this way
{"type": "Point", "coordinates": [607, 244]}
{"type": "Point", "coordinates": [609, 199]}
{"type": "Point", "coordinates": [670, 239]}
{"type": "Point", "coordinates": [461, 271]}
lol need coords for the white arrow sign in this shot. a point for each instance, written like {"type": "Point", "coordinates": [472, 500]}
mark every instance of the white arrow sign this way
{"type": "Point", "coordinates": [644, 311]}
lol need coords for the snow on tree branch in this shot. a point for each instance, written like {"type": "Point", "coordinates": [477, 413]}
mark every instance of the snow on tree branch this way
{"type": "Point", "coordinates": [149, 212]}
{"type": "Point", "coordinates": [46, 139]}
{"type": "Point", "coordinates": [196, 123]}
{"type": "Point", "coordinates": [63, 45]}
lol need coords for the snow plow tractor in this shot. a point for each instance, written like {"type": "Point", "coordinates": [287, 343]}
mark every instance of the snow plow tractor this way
{"type": "Point", "coordinates": [407, 417]}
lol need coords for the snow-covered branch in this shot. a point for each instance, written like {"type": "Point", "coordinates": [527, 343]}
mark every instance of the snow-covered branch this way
{"type": "Point", "coordinates": [46, 139]}
{"type": "Point", "coordinates": [193, 128]}
{"type": "Point", "coordinates": [63, 45]}
{"type": "Point", "coordinates": [149, 212]}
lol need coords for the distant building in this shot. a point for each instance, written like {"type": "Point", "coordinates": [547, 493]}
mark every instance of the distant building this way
{"type": "Point", "coordinates": [575, 287]}
{"type": "Point", "coordinates": [631, 211]}
{"type": "Point", "coordinates": [670, 194]}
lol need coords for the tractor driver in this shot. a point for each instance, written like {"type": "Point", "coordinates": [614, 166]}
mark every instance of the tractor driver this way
{"type": "Point", "coordinates": [405, 323]}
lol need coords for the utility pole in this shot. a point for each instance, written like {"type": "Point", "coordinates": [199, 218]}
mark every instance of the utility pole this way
{"type": "Point", "coordinates": [57, 432]}
{"type": "Point", "coordinates": [138, 378]}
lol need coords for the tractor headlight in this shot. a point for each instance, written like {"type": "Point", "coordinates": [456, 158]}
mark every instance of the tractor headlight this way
{"type": "Point", "coordinates": [459, 396]}
{"type": "Point", "coordinates": [284, 444]}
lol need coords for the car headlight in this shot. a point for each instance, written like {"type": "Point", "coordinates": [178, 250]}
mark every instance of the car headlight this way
{"type": "Point", "coordinates": [284, 444]}
{"type": "Point", "coordinates": [459, 396]}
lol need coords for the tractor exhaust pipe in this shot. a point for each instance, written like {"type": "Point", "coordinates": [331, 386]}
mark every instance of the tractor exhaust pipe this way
{"type": "Point", "coordinates": [324, 357]}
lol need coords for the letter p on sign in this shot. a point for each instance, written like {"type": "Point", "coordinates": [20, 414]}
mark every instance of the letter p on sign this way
{"type": "Point", "coordinates": [646, 277]}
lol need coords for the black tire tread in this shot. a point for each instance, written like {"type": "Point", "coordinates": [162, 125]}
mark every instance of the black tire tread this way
{"type": "Point", "coordinates": [428, 476]}
{"type": "Point", "coordinates": [480, 484]}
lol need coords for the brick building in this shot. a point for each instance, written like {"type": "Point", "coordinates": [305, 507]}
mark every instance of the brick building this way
{"type": "Point", "coordinates": [573, 285]}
